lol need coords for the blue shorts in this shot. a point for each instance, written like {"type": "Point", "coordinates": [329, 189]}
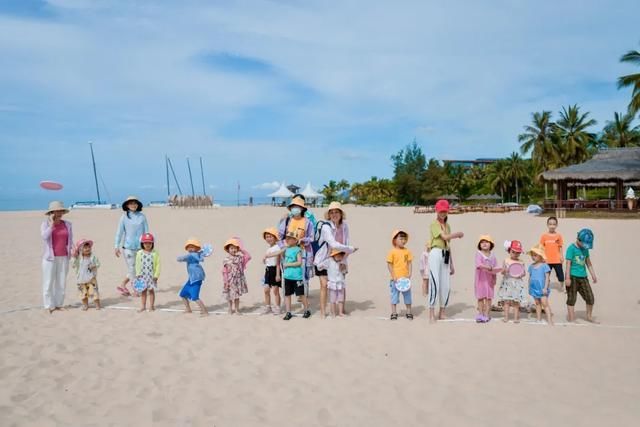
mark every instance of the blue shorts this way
{"type": "Point", "coordinates": [395, 294]}
{"type": "Point", "coordinates": [191, 291]}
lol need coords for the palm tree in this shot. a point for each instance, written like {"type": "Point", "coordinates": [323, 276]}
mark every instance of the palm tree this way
{"type": "Point", "coordinates": [619, 133]}
{"type": "Point", "coordinates": [572, 131]}
{"type": "Point", "coordinates": [516, 171]}
{"type": "Point", "coordinates": [537, 138]}
{"type": "Point", "coordinates": [633, 80]}
{"type": "Point", "coordinates": [498, 177]}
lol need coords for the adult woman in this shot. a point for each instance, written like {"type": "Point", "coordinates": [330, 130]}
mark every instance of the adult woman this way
{"type": "Point", "coordinates": [132, 225]}
{"type": "Point", "coordinates": [333, 234]}
{"type": "Point", "coordinates": [299, 224]}
{"type": "Point", "coordinates": [440, 260]}
{"type": "Point", "coordinates": [57, 235]}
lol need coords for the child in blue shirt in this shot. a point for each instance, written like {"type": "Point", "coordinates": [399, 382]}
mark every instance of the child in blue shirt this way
{"type": "Point", "coordinates": [293, 274]}
{"type": "Point", "coordinates": [539, 281]}
{"type": "Point", "coordinates": [191, 289]}
{"type": "Point", "coordinates": [578, 262]}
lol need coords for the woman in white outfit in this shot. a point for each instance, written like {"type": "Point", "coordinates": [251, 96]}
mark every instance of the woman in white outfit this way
{"type": "Point", "coordinates": [57, 235]}
{"type": "Point", "coordinates": [333, 235]}
{"type": "Point", "coordinates": [440, 260]}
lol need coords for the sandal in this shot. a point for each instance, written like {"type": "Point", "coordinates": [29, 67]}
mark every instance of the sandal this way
{"type": "Point", "coordinates": [409, 316]}
{"type": "Point", "coordinates": [123, 291]}
{"type": "Point", "coordinates": [394, 316]}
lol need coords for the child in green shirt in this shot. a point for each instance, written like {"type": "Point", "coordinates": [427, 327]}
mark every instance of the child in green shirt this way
{"type": "Point", "coordinates": [578, 262]}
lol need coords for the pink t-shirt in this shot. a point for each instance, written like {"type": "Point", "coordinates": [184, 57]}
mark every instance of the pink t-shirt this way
{"type": "Point", "coordinates": [485, 281]}
{"type": "Point", "coordinates": [60, 239]}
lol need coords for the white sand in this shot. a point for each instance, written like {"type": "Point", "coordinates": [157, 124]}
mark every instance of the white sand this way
{"type": "Point", "coordinates": [117, 367]}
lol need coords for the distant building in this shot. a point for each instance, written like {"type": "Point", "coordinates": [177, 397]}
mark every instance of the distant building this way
{"type": "Point", "coordinates": [470, 163]}
{"type": "Point", "coordinates": [293, 188]}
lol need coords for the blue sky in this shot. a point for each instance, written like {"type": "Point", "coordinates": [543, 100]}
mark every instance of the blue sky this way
{"type": "Point", "coordinates": [286, 90]}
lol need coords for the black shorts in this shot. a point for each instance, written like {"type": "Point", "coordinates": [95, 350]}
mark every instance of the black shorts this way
{"type": "Point", "coordinates": [320, 272]}
{"type": "Point", "coordinates": [270, 274]}
{"type": "Point", "coordinates": [293, 287]}
{"type": "Point", "coordinates": [559, 271]}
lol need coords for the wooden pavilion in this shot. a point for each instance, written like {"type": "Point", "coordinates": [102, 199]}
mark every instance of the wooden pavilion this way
{"type": "Point", "coordinates": [608, 168]}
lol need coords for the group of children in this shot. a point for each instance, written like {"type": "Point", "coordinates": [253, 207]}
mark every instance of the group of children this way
{"type": "Point", "coordinates": [285, 264]}
{"type": "Point", "coordinates": [513, 292]}
{"type": "Point", "coordinates": [546, 256]}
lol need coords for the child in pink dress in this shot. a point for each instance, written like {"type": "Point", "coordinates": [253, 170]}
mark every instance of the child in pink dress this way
{"type": "Point", "coordinates": [485, 277]}
{"type": "Point", "coordinates": [234, 281]}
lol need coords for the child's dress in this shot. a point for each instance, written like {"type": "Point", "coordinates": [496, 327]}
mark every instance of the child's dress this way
{"type": "Point", "coordinates": [513, 288]}
{"type": "Point", "coordinates": [86, 278]}
{"type": "Point", "coordinates": [485, 281]}
{"type": "Point", "coordinates": [538, 280]}
{"type": "Point", "coordinates": [235, 284]}
{"type": "Point", "coordinates": [148, 268]}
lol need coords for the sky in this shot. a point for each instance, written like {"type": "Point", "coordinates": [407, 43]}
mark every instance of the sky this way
{"type": "Point", "coordinates": [285, 90]}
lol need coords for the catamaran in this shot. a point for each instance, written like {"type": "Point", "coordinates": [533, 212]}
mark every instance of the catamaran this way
{"type": "Point", "coordinates": [99, 204]}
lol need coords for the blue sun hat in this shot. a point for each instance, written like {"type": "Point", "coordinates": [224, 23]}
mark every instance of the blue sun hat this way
{"type": "Point", "coordinates": [586, 238]}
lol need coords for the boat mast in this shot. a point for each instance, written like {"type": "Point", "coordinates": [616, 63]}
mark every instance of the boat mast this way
{"type": "Point", "coordinates": [166, 167]}
{"type": "Point", "coordinates": [173, 172]}
{"type": "Point", "coordinates": [204, 191]}
{"type": "Point", "coordinates": [95, 175]}
{"type": "Point", "coordinates": [193, 192]}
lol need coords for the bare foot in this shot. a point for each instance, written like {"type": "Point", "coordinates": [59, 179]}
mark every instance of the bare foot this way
{"type": "Point", "coordinates": [187, 312]}
{"type": "Point", "coordinates": [591, 320]}
{"type": "Point", "coordinates": [85, 307]}
{"type": "Point", "coordinates": [98, 307]}
{"type": "Point", "coordinates": [142, 310]}
{"type": "Point", "coordinates": [432, 320]}
{"type": "Point", "coordinates": [505, 320]}
{"type": "Point", "coordinates": [204, 314]}
{"type": "Point", "coordinates": [152, 309]}
{"type": "Point", "coordinates": [516, 320]}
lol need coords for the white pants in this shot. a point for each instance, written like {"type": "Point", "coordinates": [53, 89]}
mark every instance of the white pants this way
{"type": "Point", "coordinates": [54, 281]}
{"type": "Point", "coordinates": [439, 283]}
{"type": "Point", "coordinates": [129, 256]}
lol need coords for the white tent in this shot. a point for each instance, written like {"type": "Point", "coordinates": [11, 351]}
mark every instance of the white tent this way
{"type": "Point", "coordinates": [310, 193]}
{"type": "Point", "coordinates": [282, 192]}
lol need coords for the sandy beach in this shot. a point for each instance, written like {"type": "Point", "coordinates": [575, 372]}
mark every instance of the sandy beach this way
{"type": "Point", "coordinates": [118, 367]}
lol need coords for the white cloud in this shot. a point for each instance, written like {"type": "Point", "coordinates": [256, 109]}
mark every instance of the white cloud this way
{"type": "Point", "coordinates": [273, 185]}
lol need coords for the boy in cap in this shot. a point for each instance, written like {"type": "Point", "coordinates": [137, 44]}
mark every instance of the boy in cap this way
{"type": "Point", "coordinates": [578, 262]}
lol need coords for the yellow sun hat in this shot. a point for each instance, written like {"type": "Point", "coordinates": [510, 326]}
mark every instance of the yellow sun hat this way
{"type": "Point", "coordinates": [193, 242]}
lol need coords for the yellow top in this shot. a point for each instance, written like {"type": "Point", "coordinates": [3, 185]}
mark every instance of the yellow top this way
{"type": "Point", "coordinates": [399, 260]}
{"type": "Point", "coordinates": [297, 226]}
{"type": "Point", "coordinates": [437, 230]}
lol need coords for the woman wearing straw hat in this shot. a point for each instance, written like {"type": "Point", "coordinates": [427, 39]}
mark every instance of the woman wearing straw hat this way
{"type": "Point", "coordinates": [298, 224]}
{"type": "Point", "coordinates": [333, 235]}
{"type": "Point", "coordinates": [440, 260]}
{"type": "Point", "coordinates": [57, 235]}
{"type": "Point", "coordinates": [132, 225]}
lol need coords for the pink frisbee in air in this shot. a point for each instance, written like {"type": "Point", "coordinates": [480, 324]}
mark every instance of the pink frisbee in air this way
{"type": "Point", "coordinates": [50, 185]}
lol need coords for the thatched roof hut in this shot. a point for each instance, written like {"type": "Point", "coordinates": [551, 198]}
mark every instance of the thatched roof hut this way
{"type": "Point", "coordinates": [609, 166]}
{"type": "Point", "coordinates": [613, 167]}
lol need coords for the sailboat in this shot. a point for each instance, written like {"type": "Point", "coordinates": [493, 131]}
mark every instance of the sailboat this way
{"type": "Point", "coordinates": [99, 204]}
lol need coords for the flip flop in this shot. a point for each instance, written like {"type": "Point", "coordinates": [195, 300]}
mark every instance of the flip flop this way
{"type": "Point", "coordinates": [123, 291]}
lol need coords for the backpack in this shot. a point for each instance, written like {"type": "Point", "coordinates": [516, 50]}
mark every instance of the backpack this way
{"type": "Point", "coordinates": [316, 245]}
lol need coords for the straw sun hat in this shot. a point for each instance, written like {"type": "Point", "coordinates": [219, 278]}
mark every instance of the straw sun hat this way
{"type": "Point", "coordinates": [538, 250]}
{"type": "Point", "coordinates": [193, 242]}
{"type": "Point", "coordinates": [56, 206]}
{"type": "Point", "coordinates": [487, 238]}
{"type": "Point", "coordinates": [272, 231]}
{"type": "Point", "coordinates": [335, 206]}
{"type": "Point", "coordinates": [230, 242]}
{"type": "Point", "coordinates": [297, 201]}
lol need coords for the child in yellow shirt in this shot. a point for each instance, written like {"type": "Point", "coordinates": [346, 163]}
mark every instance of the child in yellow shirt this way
{"type": "Point", "coordinates": [399, 262]}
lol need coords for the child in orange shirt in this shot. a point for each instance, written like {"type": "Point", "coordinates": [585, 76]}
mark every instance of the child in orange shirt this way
{"type": "Point", "coordinates": [399, 263]}
{"type": "Point", "coordinates": [552, 243]}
